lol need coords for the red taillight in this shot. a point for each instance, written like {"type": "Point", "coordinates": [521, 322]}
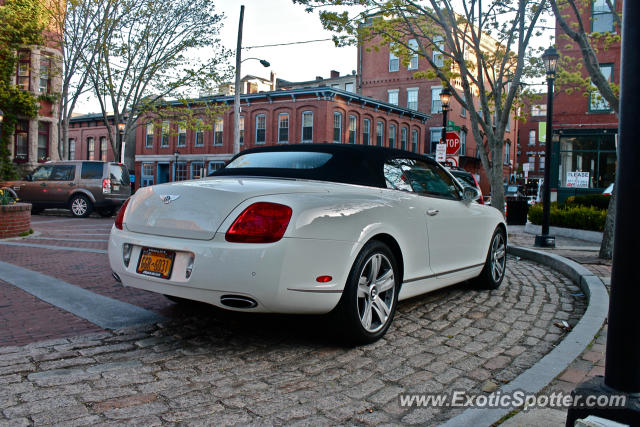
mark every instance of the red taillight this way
{"type": "Point", "coordinates": [120, 215]}
{"type": "Point", "coordinates": [262, 222]}
{"type": "Point", "coordinates": [481, 199]}
{"type": "Point", "coordinates": [106, 185]}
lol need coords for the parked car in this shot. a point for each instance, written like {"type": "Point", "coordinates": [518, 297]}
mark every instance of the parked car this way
{"type": "Point", "coordinates": [81, 186]}
{"type": "Point", "coordinates": [513, 192]}
{"type": "Point", "coordinates": [467, 179]}
{"type": "Point", "coordinates": [310, 229]}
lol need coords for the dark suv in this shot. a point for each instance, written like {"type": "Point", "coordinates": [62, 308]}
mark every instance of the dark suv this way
{"type": "Point", "coordinates": [80, 186]}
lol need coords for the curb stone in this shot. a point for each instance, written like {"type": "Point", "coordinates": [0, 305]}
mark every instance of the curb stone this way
{"type": "Point", "coordinates": [554, 363]}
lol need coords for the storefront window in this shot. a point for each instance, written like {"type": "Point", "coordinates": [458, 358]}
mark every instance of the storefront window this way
{"type": "Point", "coordinates": [592, 154]}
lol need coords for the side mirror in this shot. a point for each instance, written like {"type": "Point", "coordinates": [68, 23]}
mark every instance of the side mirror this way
{"type": "Point", "coordinates": [29, 177]}
{"type": "Point", "coordinates": [470, 194]}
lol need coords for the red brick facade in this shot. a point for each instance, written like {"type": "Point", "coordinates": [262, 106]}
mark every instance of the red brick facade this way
{"type": "Point", "coordinates": [82, 130]}
{"type": "Point", "coordinates": [323, 103]}
{"type": "Point", "coordinates": [14, 219]}
{"type": "Point", "coordinates": [530, 147]}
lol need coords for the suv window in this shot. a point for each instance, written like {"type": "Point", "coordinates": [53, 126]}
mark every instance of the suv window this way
{"type": "Point", "coordinates": [420, 177]}
{"type": "Point", "coordinates": [119, 174]}
{"type": "Point", "coordinates": [91, 170]}
{"type": "Point", "coordinates": [42, 173]}
{"type": "Point", "coordinates": [63, 173]}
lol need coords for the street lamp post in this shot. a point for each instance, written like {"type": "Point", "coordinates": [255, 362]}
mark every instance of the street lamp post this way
{"type": "Point", "coordinates": [121, 126]}
{"type": "Point", "coordinates": [1, 120]}
{"type": "Point", "coordinates": [544, 240]}
{"type": "Point", "coordinates": [175, 164]}
{"type": "Point", "coordinates": [237, 89]}
{"type": "Point", "coordinates": [445, 98]}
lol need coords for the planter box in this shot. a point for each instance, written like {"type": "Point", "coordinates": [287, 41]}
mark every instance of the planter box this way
{"type": "Point", "coordinates": [14, 219]}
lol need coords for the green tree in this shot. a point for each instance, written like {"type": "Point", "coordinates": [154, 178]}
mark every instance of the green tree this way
{"type": "Point", "coordinates": [484, 45]}
{"type": "Point", "coordinates": [570, 16]}
{"type": "Point", "coordinates": [149, 50]}
{"type": "Point", "coordinates": [22, 23]}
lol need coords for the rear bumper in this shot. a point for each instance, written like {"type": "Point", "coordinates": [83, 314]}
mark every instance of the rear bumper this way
{"type": "Point", "coordinates": [279, 276]}
{"type": "Point", "coordinates": [110, 202]}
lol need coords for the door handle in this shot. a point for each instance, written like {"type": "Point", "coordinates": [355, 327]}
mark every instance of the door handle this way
{"type": "Point", "coordinates": [433, 212]}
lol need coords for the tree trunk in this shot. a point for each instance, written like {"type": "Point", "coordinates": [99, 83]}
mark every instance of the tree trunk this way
{"type": "Point", "coordinates": [606, 247]}
{"type": "Point", "coordinates": [497, 189]}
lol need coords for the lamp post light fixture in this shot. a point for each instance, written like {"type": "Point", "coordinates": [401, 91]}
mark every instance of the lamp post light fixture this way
{"type": "Point", "coordinates": [445, 98]}
{"type": "Point", "coordinates": [544, 240]}
{"type": "Point", "coordinates": [121, 125]}
{"type": "Point", "coordinates": [1, 119]}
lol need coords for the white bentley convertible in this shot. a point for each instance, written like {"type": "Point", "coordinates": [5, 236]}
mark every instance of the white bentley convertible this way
{"type": "Point", "coordinates": [310, 229]}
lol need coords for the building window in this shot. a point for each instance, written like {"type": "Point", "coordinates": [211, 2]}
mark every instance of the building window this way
{"type": "Point", "coordinates": [593, 153]}
{"type": "Point", "coordinates": [148, 143]}
{"type": "Point", "coordinates": [180, 172]}
{"type": "Point", "coordinates": [24, 70]}
{"type": "Point", "coordinates": [412, 99]}
{"type": "Point", "coordinates": [283, 127]}
{"type": "Point", "coordinates": [261, 128]}
{"type": "Point", "coordinates": [403, 138]}
{"type": "Point", "coordinates": [45, 72]}
{"type": "Point", "coordinates": [366, 131]}
{"type": "Point", "coordinates": [463, 142]}
{"type": "Point", "coordinates": [349, 87]}
{"type": "Point", "coordinates": [72, 149]}
{"type": "Point", "coordinates": [197, 170]}
{"type": "Point", "coordinates": [507, 127]}
{"type": "Point", "coordinates": [392, 136]}
{"type": "Point", "coordinates": [436, 134]}
{"type": "Point", "coordinates": [413, 61]}
{"type": "Point", "coordinates": [379, 133]}
{"type": "Point", "coordinates": [438, 57]}
{"type": "Point", "coordinates": [539, 110]}
{"type": "Point", "coordinates": [463, 112]}
{"type": "Point", "coordinates": [241, 128]}
{"type": "Point", "coordinates": [217, 131]}
{"type": "Point", "coordinates": [532, 137]}
{"type": "Point", "coordinates": [337, 127]}
{"type": "Point", "coordinates": [146, 175]}
{"type": "Point", "coordinates": [414, 141]}
{"type": "Point", "coordinates": [307, 126]}
{"type": "Point", "coordinates": [602, 17]}
{"type": "Point", "coordinates": [164, 142]}
{"type": "Point", "coordinates": [214, 166]}
{"type": "Point", "coordinates": [91, 149]}
{"type": "Point", "coordinates": [353, 128]}
{"type": "Point", "coordinates": [43, 141]}
{"type": "Point", "coordinates": [541, 163]}
{"type": "Point", "coordinates": [22, 140]}
{"type": "Point", "coordinates": [199, 134]}
{"type": "Point", "coordinates": [103, 148]}
{"type": "Point", "coordinates": [392, 96]}
{"type": "Point", "coordinates": [182, 136]}
{"type": "Point", "coordinates": [596, 102]}
{"type": "Point", "coordinates": [394, 62]}
{"type": "Point", "coordinates": [436, 105]}
{"type": "Point", "coordinates": [507, 153]}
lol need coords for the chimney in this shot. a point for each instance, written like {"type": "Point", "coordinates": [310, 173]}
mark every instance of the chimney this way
{"type": "Point", "coordinates": [318, 78]}
{"type": "Point", "coordinates": [334, 74]}
{"type": "Point", "coordinates": [272, 77]}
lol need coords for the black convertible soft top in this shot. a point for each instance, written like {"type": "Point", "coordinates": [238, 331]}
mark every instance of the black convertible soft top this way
{"type": "Point", "coordinates": [349, 164]}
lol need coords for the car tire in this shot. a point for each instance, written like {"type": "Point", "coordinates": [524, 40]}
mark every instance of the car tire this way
{"type": "Point", "coordinates": [106, 212]}
{"type": "Point", "coordinates": [80, 206]}
{"type": "Point", "coordinates": [179, 300]}
{"type": "Point", "coordinates": [36, 211]}
{"type": "Point", "coordinates": [496, 263]}
{"type": "Point", "coordinates": [370, 296]}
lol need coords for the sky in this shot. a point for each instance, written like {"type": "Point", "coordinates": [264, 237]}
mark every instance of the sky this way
{"type": "Point", "coordinates": [273, 22]}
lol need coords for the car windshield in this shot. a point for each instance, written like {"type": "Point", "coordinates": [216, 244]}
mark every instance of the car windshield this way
{"type": "Point", "coordinates": [281, 160]}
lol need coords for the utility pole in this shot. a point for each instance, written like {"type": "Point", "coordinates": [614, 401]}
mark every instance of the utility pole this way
{"type": "Point", "coordinates": [236, 101]}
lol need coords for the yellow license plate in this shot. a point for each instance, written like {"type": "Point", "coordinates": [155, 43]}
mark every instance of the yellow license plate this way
{"type": "Point", "coordinates": [156, 262]}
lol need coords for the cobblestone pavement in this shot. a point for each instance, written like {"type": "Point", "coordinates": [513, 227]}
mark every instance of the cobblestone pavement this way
{"type": "Point", "coordinates": [592, 361]}
{"type": "Point", "coordinates": [209, 367]}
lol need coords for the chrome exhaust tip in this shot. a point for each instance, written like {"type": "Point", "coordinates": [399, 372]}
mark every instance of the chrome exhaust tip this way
{"type": "Point", "coordinates": [238, 301]}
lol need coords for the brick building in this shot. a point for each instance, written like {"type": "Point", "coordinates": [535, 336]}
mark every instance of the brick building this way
{"type": "Point", "coordinates": [346, 82]}
{"type": "Point", "coordinates": [531, 137]}
{"type": "Point", "coordinates": [586, 128]}
{"type": "Point", "coordinates": [165, 152]}
{"type": "Point", "coordinates": [88, 138]}
{"type": "Point", "coordinates": [383, 76]}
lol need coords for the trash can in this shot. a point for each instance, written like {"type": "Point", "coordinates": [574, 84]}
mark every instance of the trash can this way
{"type": "Point", "coordinates": [517, 210]}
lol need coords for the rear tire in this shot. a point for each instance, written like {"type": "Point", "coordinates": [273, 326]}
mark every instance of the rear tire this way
{"type": "Point", "coordinates": [496, 263]}
{"type": "Point", "coordinates": [80, 206]}
{"type": "Point", "coordinates": [179, 300]}
{"type": "Point", "coordinates": [369, 299]}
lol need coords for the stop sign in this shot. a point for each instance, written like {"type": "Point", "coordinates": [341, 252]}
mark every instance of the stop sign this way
{"type": "Point", "coordinates": [453, 143]}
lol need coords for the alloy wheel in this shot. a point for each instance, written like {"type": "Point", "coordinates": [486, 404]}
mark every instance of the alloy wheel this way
{"type": "Point", "coordinates": [79, 206]}
{"type": "Point", "coordinates": [498, 257]}
{"type": "Point", "coordinates": [376, 292]}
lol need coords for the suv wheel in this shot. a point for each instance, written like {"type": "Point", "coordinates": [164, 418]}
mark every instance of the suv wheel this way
{"type": "Point", "coordinates": [80, 206]}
